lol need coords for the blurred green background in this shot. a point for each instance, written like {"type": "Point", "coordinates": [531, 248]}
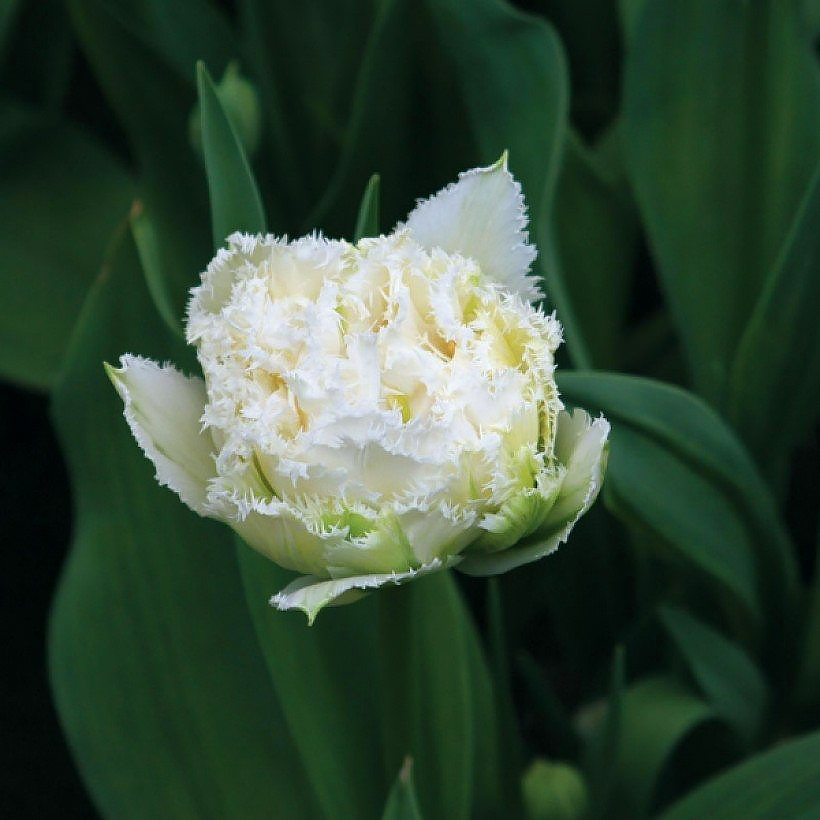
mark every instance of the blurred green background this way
{"type": "Point", "coordinates": [668, 151]}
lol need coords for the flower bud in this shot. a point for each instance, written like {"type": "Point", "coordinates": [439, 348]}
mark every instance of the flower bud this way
{"type": "Point", "coordinates": [554, 791]}
{"type": "Point", "coordinates": [377, 411]}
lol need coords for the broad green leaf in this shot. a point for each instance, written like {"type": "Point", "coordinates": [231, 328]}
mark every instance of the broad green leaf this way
{"type": "Point", "coordinates": [378, 132]}
{"type": "Point", "coordinates": [591, 40]}
{"type": "Point", "coordinates": [551, 714]}
{"type": "Point", "coordinates": [775, 394]}
{"type": "Point", "coordinates": [780, 784]}
{"type": "Point", "coordinates": [437, 685]}
{"type": "Point", "coordinates": [152, 102]}
{"type": "Point", "coordinates": [652, 484]}
{"type": "Point", "coordinates": [722, 132]}
{"type": "Point", "coordinates": [604, 744]}
{"type": "Point", "coordinates": [402, 803]}
{"type": "Point", "coordinates": [724, 672]}
{"type": "Point", "coordinates": [8, 15]}
{"type": "Point", "coordinates": [656, 715]}
{"type": "Point", "coordinates": [514, 80]}
{"type": "Point", "coordinates": [397, 673]}
{"type": "Point", "coordinates": [146, 242]}
{"type": "Point", "coordinates": [596, 236]}
{"type": "Point", "coordinates": [235, 201]}
{"type": "Point", "coordinates": [182, 32]}
{"type": "Point", "coordinates": [685, 426]}
{"type": "Point", "coordinates": [325, 677]}
{"type": "Point", "coordinates": [367, 222]}
{"type": "Point", "coordinates": [192, 30]}
{"type": "Point", "coordinates": [510, 739]}
{"type": "Point", "coordinates": [61, 195]}
{"type": "Point", "coordinates": [811, 15]}
{"type": "Point", "coordinates": [629, 12]}
{"type": "Point", "coordinates": [157, 678]}
{"type": "Point", "coordinates": [308, 58]}
{"type": "Point", "coordinates": [37, 53]}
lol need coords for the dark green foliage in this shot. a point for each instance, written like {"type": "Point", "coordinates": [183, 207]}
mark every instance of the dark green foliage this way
{"type": "Point", "coordinates": [669, 154]}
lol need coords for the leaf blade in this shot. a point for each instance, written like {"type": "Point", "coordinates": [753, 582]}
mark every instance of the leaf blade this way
{"type": "Point", "coordinates": [725, 673]}
{"type": "Point", "coordinates": [235, 201]}
{"type": "Point", "coordinates": [157, 679]}
{"type": "Point", "coordinates": [782, 782]}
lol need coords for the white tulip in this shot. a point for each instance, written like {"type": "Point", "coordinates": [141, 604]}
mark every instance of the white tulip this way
{"type": "Point", "coordinates": [377, 411]}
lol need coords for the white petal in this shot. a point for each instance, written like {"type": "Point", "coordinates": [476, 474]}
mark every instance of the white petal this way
{"type": "Point", "coordinates": [163, 409]}
{"type": "Point", "coordinates": [581, 447]}
{"type": "Point", "coordinates": [482, 216]}
{"type": "Point", "coordinates": [311, 594]}
{"type": "Point", "coordinates": [283, 536]}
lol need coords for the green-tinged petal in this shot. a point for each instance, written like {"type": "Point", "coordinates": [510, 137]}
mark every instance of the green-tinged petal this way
{"type": "Point", "coordinates": [521, 515]}
{"type": "Point", "coordinates": [164, 408]}
{"type": "Point", "coordinates": [481, 216]}
{"type": "Point", "coordinates": [580, 448]}
{"type": "Point", "coordinates": [280, 533]}
{"type": "Point", "coordinates": [312, 594]}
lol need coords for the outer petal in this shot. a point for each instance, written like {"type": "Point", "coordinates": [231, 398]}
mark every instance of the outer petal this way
{"type": "Point", "coordinates": [163, 408]}
{"type": "Point", "coordinates": [313, 594]}
{"type": "Point", "coordinates": [520, 516]}
{"type": "Point", "coordinates": [281, 534]}
{"type": "Point", "coordinates": [482, 216]}
{"type": "Point", "coordinates": [581, 447]}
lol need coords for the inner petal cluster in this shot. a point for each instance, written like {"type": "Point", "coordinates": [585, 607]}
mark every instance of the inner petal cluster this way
{"type": "Point", "coordinates": [355, 388]}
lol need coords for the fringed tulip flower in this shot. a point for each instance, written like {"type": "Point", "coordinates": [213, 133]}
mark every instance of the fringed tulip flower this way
{"type": "Point", "coordinates": [374, 412]}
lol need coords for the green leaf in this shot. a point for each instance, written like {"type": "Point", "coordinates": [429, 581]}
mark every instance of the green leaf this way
{"type": "Point", "coordinates": [781, 784]}
{"type": "Point", "coordinates": [604, 745]}
{"type": "Point", "coordinates": [192, 30]}
{"type": "Point", "coordinates": [629, 12]}
{"type": "Point", "coordinates": [550, 712]}
{"type": "Point", "coordinates": [514, 81]}
{"type": "Point", "coordinates": [509, 735]}
{"type": "Point", "coordinates": [656, 715]}
{"type": "Point", "coordinates": [367, 222]}
{"type": "Point", "coordinates": [8, 17]}
{"type": "Point", "coordinates": [784, 320]}
{"type": "Point", "coordinates": [309, 85]}
{"type": "Point", "coordinates": [147, 244]}
{"type": "Point", "coordinates": [235, 201]}
{"type": "Point", "coordinates": [724, 672]}
{"type": "Point", "coordinates": [152, 103]}
{"type": "Point", "coordinates": [324, 676]}
{"type": "Point", "coordinates": [438, 703]}
{"type": "Point", "coordinates": [649, 482]}
{"type": "Point", "coordinates": [378, 132]}
{"type": "Point", "coordinates": [157, 678]}
{"type": "Point", "coordinates": [421, 688]}
{"type": "Point", "coordinates": [722, 131]}
{"type": "Point", "coordinates": [417, 644]}
{"type": "Point", "coordinates": [591, 40]}
{"type": "Point", "coordinates": [402, 803]}
{"type": "Point", "coordinates": [596, 237]}
{"type": "Point", "coordinates": [61, 195]}
{"type": "Point", "coordinates": [672, 420]}
{"type": "Point", "coordinates": [37, 52]}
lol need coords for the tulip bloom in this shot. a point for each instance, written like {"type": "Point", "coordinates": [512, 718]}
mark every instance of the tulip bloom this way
{"type": "Point", "coordinates": [377, 411]}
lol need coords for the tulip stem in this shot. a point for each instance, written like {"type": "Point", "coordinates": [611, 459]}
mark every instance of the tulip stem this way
{"type": "Point", "coordinates": [397, 690]}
